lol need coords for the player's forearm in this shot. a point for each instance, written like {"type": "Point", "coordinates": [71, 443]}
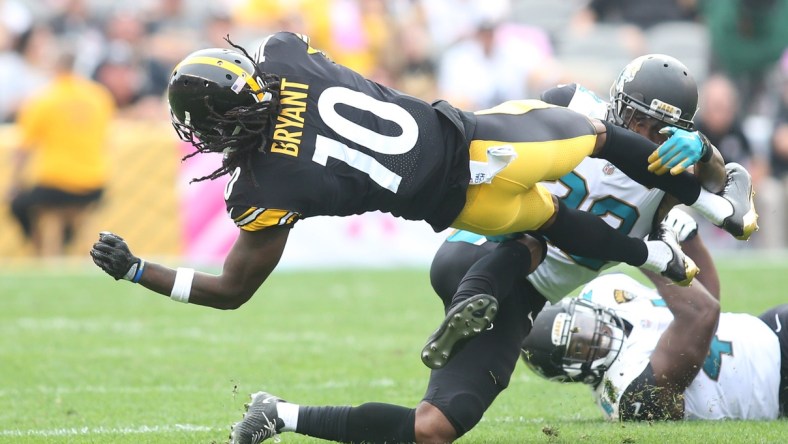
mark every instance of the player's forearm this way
{"type": "Point", "coordinates": [694, 307]}
{"type": "Point", "coordinates": [696, 249]}
{"type": "Point", "coordinates": [711, 173]}
{"type": "Point", "coordinates": [249, 263]}
{"type": "Point", "coordinates": [684, 345]}
{"type": "Point", "coordinates": [204, 289]}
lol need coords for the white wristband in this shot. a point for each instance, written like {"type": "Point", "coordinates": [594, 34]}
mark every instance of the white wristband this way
{"type": "Point", "coordinates": [183, 285]}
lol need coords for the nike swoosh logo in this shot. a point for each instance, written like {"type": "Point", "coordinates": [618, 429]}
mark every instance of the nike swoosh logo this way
{"type": "Point", "coordinates": [269, 400]}
{"type": "Point", "coordinates": [779, 326]}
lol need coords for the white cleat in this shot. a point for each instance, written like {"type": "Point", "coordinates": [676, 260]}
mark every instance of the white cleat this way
{"type": "Point", "coordinates": [738, 191]}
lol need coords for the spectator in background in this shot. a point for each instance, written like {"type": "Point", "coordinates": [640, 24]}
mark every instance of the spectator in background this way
{"type": "Point", "coordinates": [720, 119]}
{"type": "Point", "coordinates": [747, 39]}
{"type": "Point", "coordinates": [450, 21]}
{"type": "Point", "coordinates": [631, 19]}
{"type": "Point", "coordinates": [76, 22]}
{"type": "Point", "coordinates": [130, 67]}
{"type": "Point", "coordinates": [414, 67]}
{"type": "Point", "coordinates": [779, 157]}
{"type": "Point", "coordinates": [22, 67]}
{"type": "Point", "coordinates": [122, 76]}
{"type": "Point", "coordinates": [640, 13]}
{"type": "Point", "coordinates": [63, 148]}
{"type": "Point", "coordinates": [497, 63]}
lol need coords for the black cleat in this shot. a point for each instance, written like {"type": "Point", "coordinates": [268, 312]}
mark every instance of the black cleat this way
{"type": "Point", "coordinates": [260, 422]}
{"type": "Point", "coordinates": [681, 269]}
{"type": "Point", "coordinates": [464, 321]}
{"type": "Point", "coordinates": [738, 191]}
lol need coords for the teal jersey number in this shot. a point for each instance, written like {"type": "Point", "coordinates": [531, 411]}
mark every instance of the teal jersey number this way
{"type": "Point", "coordinates": [713, 362]}
{"type": "Point", "coordinates": [608, 205]}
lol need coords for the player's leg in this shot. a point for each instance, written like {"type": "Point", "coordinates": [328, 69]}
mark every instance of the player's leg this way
{"type": "Point", "coordinates": [733, 209]}
{"type": "Point", "coordinates": [550, 141]}
{"type": "Point", "coordinates": [268, 415]}
{"type": "Point", "coordinates": [459, 393]}
{"type": "Point", "coordinates": [372, 422]}
{"type": "Point", "coordinates": [457, 396]}
{"type": "Point", "coordinates": [576, 232]}
{"type": "Point", "coordinates": [777, 319]}
{"type": "Point", "coordinates": [547, 143]}
{"type": "Point", "coordinates": [473, 305]}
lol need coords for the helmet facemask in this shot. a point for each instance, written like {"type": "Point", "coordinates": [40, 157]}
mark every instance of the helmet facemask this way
{"type": "Point", "coordinates": [574, 341]}
{"type": "Point", "coordinates": [590, 337]}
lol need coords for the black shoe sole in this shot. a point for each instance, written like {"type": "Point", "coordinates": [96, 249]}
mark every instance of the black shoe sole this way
{"type": "Point", "coordinates": [463, 322]}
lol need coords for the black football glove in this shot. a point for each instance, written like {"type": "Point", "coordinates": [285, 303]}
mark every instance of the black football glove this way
{"type": "Point", "coordinates": [112, 255]}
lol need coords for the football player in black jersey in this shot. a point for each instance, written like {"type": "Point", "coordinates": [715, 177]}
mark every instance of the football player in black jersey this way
{"type": "Point", "coordinates": [459, 393]}
{"type": "Point", "coordinates": [303, 136]}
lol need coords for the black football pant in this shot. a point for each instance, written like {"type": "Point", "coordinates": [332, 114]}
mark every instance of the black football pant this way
{"type": "Point", "coordinates": [469, 383]}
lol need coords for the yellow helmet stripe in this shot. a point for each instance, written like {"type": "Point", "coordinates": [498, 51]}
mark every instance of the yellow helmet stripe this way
{"type": "Point", "coordinates": [224, 64]}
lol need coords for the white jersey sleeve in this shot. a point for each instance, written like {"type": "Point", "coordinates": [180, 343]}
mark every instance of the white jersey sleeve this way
{"type": "Point", "coordinates": [598, 187]}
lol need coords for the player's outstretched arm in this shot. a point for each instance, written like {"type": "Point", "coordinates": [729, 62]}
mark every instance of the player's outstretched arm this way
{"type": "Point", "coordinates": [248, 264]}
{"type": "Point", "coordinates": [683, 347]}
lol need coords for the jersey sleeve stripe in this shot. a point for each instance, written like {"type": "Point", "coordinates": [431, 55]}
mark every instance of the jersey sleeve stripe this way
{"type": "Point", "coordinates": [248, 216]}
{"type": "Point", "coordinates": [264, 217]}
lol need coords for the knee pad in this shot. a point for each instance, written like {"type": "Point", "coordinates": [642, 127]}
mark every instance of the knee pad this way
{"type": "Point", "coordinates": [462, 400]}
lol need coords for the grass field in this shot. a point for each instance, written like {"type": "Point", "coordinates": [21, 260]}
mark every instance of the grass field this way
{"type": "Point", "coordinates": [84, 359]}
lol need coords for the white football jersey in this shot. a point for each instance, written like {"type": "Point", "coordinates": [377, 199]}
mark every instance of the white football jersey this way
{"type": "Point", "coordinates": [739, 380]}
{"type": "Point", "coordinates": [598, 187]}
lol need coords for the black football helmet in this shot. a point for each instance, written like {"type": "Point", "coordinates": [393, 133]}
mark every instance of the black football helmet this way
{"type": "Point", "coordinates": [658, 86]}
{"type": "Point", "coordinates": [207, 84]}
{"type": "Point", "coordinates": [575, 340]}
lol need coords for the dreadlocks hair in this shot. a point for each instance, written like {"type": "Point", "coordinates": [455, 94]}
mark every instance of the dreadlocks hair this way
{"type": "Point", "coordinates": [244, 131]}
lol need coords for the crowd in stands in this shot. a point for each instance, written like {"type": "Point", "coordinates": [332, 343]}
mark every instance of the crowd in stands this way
{"type": "Point", "coordinates": [473, 53]}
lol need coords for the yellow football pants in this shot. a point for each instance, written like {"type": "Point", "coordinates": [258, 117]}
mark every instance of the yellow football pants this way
{"type": "Point", "coordinates": [550, 142]}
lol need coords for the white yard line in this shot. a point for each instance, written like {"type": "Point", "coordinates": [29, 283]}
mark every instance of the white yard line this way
{"type": "Point", "coordinates": [12, 392]}
{"type": "Point", "coordinates": [85, 431]}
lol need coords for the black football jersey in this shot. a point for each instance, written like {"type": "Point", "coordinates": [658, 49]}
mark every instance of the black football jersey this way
{"type": "Point", "coordinates": [343, 145]}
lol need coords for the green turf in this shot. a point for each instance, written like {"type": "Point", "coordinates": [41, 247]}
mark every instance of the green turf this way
{"type": "Point", "coordinates": [84, 359]}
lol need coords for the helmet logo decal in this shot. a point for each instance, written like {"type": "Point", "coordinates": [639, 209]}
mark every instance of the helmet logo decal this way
{"type": "Point", "coordinates": [561, 319]}
{"type": "Point", "coordinates": [629, 72]}
{"type": "Point", "coordinates": [239, 83]}
{"type": "Point", "coordinates": [622, 296]}
{"type": "Point", "coordinates": [673, 112]}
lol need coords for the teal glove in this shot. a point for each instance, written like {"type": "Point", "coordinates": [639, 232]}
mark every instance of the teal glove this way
{"type": "Point", "coordinates": [682, 150]}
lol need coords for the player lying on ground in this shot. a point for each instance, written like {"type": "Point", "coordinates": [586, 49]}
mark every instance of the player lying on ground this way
{"type": "Point", "coordinates": [664, 354]}
{"type": "Point", "coordinates": [654, 96]}
{"type": "Point", "coordinates": [303, 136]}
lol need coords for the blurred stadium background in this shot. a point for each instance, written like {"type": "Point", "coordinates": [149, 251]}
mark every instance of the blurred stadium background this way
{"type": "Point", "coordinates": [84, 359]}
{"type": "Point", "coordinates": [472, 52]}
